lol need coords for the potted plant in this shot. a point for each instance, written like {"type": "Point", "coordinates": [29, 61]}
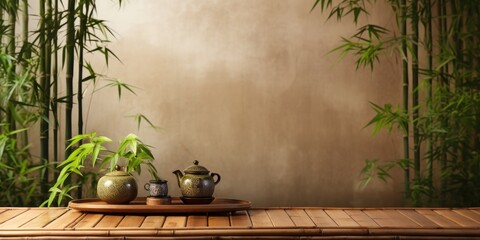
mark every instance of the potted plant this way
{"type": "Point", "coordinates": [131, 153]}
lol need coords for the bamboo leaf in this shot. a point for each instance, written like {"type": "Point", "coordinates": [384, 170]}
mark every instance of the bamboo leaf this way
{"type": "Point", "coordinates": [139, 118]}
{"type": "Point", "coordinates": [116, 83]}
{"type": "Point", "coordinates": [81, 137]}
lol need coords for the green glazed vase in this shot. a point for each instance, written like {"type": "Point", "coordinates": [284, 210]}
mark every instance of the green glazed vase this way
{"type": "Point", "coordinates": [117, 187]}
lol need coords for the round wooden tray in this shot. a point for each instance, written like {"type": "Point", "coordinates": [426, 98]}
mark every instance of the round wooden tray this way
{"type": "Point", "coordinates": [177, 206]}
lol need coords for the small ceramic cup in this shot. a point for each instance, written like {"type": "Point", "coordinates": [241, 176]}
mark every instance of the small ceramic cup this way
{"type": "Point", "coordinates": [157, 188]}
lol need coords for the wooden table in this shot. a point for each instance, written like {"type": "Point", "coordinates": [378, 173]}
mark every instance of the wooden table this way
{"type": "Point", "coordinates": [273, 223]}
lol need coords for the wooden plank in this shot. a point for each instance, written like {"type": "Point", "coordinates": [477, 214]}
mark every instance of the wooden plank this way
{"type": "Point", "coordinates": [89, 220]}
{"type": "Point", "coordinates": [10, 213]}
{"type": "Point", "coordinates": [300, 218]}
{"type": "Point", "coordinates": [469, 213]}
{"type": "Point", "coordinates": [341, 218]}
{"type": "Point", "coordinates": [240, 219]}
{"type": "Point", "coordinates": [457, 218]}
{"type": "Point", "coordinates": [109, 221]}
{"type": "Point", "coordinates": [401, 220]}
{"type": "Point", "coordinates": [361, 218]}
{"type": "Point", "coordinates": [259, 218]}
{"type": "Point", "coordinates": [280, 218]}
{"type": "Point", "coordinates": [197, 221]}
{"type": "Point", "coordinates": [437, 219]}
{"type": "Point", "coordinates": [45, 218]}
{"type": "Point", "coordinates": [380, 217]}
{"type": "Point", "coordinates": [175, 222]}
{"type": "Point", "coordinates": [153, 222]}
{"type": "Point", "coordinates": [320, 218]}
{"type": "Point", "coordinates": [418, 218]}
{"type": "Point", "coordinates": [390, 218]}
{"type": "Point", "coordinates": [22, 219]}
{"type": "Point", "coordinates": [218, 221]}
{"type": "Point", "coordinates": [475, 210]}
{"type": "Point", "coordinates": [67, 219]}
{"type": "Point", "coordinates": [131, 221]}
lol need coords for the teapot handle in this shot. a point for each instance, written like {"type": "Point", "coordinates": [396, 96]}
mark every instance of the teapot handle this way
{"type": "Point", "coordinates": [218, 177]}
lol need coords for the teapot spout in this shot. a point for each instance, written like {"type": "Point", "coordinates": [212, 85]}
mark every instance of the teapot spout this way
{"type": "Point", "coordinates": [179, 175]}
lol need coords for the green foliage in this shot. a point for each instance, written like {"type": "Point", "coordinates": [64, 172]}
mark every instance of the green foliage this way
{"type": "Point", "coordinates": [119, 85]}
{"type": "Point", "coordinates": [18, 173]}
{"type": "Point", "coordinates": [388, 117]}
{"type": "Point", "coordinates": [131, 153]}
{"type": "Point", "coordinates": [454, 127]}
{"type": "Point", "coordinates": [19, 185]}
{"type": "Point", "coordinates": [344, 8]}
{"type": "Point", "coordinates": [67, 33]}
{"type": "Point", "coordinates": [444, 118]}
{"type": "Point", "coordinates": [366, 44]}
{"type": "Point", "coordinates": [139, 118]}
{"type": "Point", "coordinates": [373, 169]}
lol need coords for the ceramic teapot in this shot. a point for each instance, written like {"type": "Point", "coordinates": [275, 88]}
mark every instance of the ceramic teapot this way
{"type": "Point", "coordinates": [117, 187]}
{"type": "Point", "coordinates": [196, 182]}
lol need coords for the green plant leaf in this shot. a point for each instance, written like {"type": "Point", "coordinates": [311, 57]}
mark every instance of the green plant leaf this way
{"type": "Point", "coordinates": [139, 118]}
{"type": "Point", "coordinates": [116, 83]}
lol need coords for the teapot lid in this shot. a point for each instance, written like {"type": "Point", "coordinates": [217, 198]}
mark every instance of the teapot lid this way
{"type": "Point", "coordinates": [118, 172]}
{"type": "Point", "coordinates": [196, 169]}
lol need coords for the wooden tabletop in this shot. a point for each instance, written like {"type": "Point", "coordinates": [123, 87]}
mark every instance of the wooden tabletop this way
{"type": "Point", "coordinates": [324, 223]}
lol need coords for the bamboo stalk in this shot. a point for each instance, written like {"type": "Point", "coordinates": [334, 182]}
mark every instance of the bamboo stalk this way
{"type": "Point", "coordinates": [26, 54]}
{"type": "Point", "coordinates": [470, 25]}
{"type": "Point", "coordinates": [444, 37]}
{"type": "Point", "coordinates": [81, 42]}
{"type": "Point", "coordinates": [429, 46]}
{"type": "Point", "coordinates": [456, 29]}
{"type": "Point", "coordinates": [69, 60]}
{"type": "Point", "coordinates": [55, 91]}
{"type": "Point", "coordinates": [48, 80]}
{"type": "Point", "coordinates": [44, 98]}
{"type": "Point", "coordinates": [415, 90]}
{"type": "Point", "coordinates": [463, 69]}
{"type": "Point", "coordinates": [12, 17]}
{"type": "Point", "coordinates": [444, 86]}
{"type": "Point", "coordinates": [70, 50]}
{"type": "Point", "coordinates": [25, 25]}
{"type": "Point", "coordinates": [48, 50]}
{"type": "Point", "coordinates": [406, 142]}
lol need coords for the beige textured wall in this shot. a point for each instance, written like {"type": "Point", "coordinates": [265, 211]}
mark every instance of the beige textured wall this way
{"type": "Point", "coordinates": [248, 88]}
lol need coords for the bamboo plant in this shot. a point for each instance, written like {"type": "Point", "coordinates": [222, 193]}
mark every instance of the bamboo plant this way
{"type": "Point", "coordinates": [440, 108]}
{"type": "Point", "coordinates": [32, 64]}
